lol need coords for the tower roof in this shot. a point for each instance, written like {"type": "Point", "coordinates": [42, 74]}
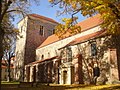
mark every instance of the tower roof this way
{"type": "Point", "coordinates": [43, 17]}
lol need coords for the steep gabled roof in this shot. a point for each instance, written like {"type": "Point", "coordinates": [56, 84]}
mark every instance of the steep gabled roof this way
{"type": "Point", "coordinates": [43, 17]}
{"type": "Point", "coordinates": [85, 25]}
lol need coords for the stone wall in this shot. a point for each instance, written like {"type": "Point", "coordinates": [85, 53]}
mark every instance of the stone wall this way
{"type": "Point", "coordinates": [52, 49]}
{"type": "Point", "coordinates": [102, 59]}
{"type": "Point", "coordinates": [34, 39]}
{"type": "Point", "coordinates": [80, 69]}
{"type": "Point", "coordinates": [28, 41]}
{"type": "Point", "coordinates": [20, 49]}
{"type": "Point", "coordinates": [73, 73]}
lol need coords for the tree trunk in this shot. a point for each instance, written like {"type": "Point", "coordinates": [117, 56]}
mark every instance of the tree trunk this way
{"type": "Point", "coordinates": [8, 75]}
{"type": "Point", "coordinates": [117, 44]}
{"type": "Point", "coordinates": [1, 52]}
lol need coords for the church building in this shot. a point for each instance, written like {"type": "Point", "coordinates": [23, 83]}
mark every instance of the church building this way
{"type": "Point", "coordinates": [41, 56]}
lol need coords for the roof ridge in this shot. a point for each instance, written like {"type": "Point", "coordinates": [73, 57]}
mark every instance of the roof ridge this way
{"type": "Point", "coordinates": [94, 16]}
{"type": "Point", "coordinates": [43, 17]}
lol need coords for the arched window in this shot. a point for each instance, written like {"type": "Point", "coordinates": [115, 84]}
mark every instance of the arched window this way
{"type": "Point", "coordinates": [42, 57]}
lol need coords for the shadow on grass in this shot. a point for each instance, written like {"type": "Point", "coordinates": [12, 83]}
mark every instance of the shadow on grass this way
{"type": "Point", "coordinates": [43, 87]}
{"type": "Point", "coordinates": [63, 87]}
{"type": "Point", "coordinates": [111, 88]}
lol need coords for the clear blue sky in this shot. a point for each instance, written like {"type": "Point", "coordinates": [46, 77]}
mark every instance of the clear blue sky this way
{"type": "Point", "coordinates": [44, 8]}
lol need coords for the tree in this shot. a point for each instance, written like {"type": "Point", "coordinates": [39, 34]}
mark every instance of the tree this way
{"type": "Point", "coordinates": [62, 29]}
{"type": "Point", "coordinates": [8, 43]}
{"type": "Point", "coordinates": [109, 11]}
{"type": "Point", "coordinates": [11, 7]}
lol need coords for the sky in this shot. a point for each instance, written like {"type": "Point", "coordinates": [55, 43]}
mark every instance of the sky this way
{"type": "Point", "coordinates": [44, 8]}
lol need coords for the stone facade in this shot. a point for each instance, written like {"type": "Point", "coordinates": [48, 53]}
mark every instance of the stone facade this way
{"type": "Point", "coordinates": [73, 60]}
{"type": "Point", "coordinates": [76, 63]}
{"type": "Point", "coordinates": [29, 39]}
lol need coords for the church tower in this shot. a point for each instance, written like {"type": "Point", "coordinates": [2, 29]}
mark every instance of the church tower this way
{"type": "Point", "coordinates": [33, 30]}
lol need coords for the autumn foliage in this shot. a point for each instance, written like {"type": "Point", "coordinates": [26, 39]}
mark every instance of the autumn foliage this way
{"type": "Point", "coordinates": [108, 9]}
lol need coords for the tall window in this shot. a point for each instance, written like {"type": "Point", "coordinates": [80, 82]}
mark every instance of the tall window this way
{"type": "Point", "coordinates": [69, 54]}
{"type": "Point", "coordinates": [21, 29]}
{"type": "Point", "coordinates": [41, 32]}
{"type": "Point", "coordinates": [93, 49]}
{"type": "Point", "coordinates": [42, 57]}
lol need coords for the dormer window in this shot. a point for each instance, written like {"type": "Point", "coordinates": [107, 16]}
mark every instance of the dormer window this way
{"type": "Point", "coordinates": [41, 32]}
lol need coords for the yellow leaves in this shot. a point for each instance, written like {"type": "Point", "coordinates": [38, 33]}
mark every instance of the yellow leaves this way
{"type": "Point", "coordinates": [100, 7]}
{"type": "Point", "coordinates": [62, 29]}
{"type": "Point", "coordinates": [74, 6]}
{"type": "Point", "coordinates": [50, 1]}
{"type": "Point", "coordinates": [109, 10]}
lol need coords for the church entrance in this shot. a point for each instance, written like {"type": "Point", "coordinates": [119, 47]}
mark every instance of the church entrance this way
{"type": "Point", "coordinates": [64, 77]}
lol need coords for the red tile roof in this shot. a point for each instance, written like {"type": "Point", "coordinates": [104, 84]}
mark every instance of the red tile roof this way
{"type": "Point", "coordinates": [43, 17]}
{"type": "Point", "coordinates": [90, 22]}
{"type": "Point", "coordinates": [5, 67]}
{"type": "Point", "coordinates": [51, 39]}
{"type": "Point", "coordinates": [39, 61]}
{"type": "Point", "coordinates": [87, 37]}
{"type": "Point", "coordinates": [85, 25]}
{"type": "Point", "coordinates": [4, 64]}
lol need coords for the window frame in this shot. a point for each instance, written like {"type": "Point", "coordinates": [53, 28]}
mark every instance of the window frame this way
{"type": "Point", "coordinates": [41, 30]}
{"type": "Point", "coordinates": [93, 49]}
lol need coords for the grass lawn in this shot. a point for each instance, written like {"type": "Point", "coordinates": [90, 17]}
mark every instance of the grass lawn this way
{"type": "Point", "coordinates": [62, 87]}
{"type": "Point", "coordinates": [5, 82]}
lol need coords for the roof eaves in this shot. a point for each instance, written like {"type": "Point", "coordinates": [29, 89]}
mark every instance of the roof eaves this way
{"type": "Point", "coordinates": [40, 61]}
{"type": "Point", "coordinates": [103, 32]}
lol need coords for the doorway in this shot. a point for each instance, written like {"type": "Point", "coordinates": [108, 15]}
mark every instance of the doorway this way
{"type": "Point", "coordinates": [64, 77]}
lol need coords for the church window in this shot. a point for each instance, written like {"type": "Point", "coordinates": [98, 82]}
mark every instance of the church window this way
{"type": "Point", "coordinates": [42, 57]}
{"type": "Point", "coordinates": [41, 32]}
{"type": "Point", "coordinates": [21, 29]}
{"type": "Point", "coordinates": [69, 54]}
{"type": "Point", "coordinates": [93, 49]}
